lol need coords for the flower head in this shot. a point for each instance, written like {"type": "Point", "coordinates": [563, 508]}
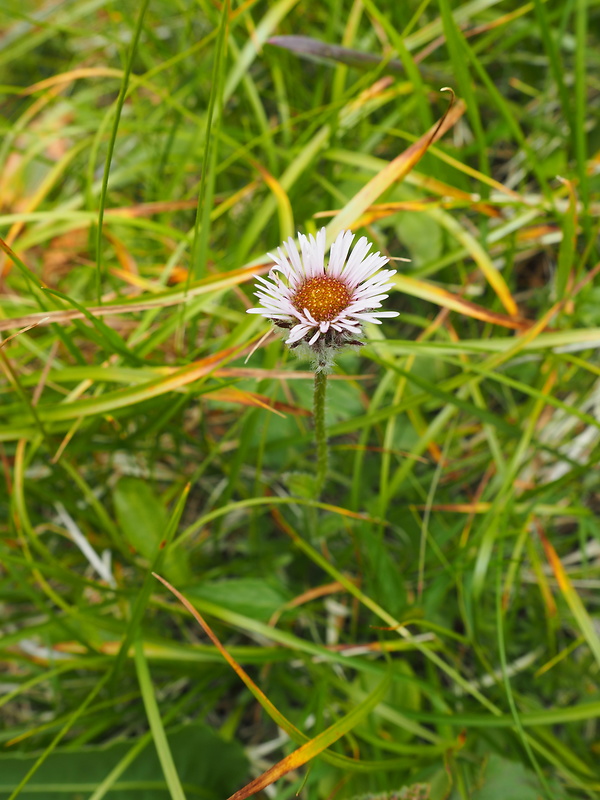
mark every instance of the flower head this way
{"type": "Point", "coordinates": [322, 304]}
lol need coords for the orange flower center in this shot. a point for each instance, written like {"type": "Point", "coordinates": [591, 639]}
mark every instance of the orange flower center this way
{"type": "Point", "coordinates": [324, 297]}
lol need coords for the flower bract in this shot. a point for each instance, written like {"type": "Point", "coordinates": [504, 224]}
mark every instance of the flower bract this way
{"type": "Point", "coordinates": [324, 304]}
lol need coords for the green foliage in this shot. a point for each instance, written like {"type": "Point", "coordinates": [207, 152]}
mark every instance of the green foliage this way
{"type": "Point", "coordinates": [67, 774]}
{"type": "Point", "coordinates": [142, 518]}
{"type": "Point", "coordinates": [446, 584]}
{"type": "Point", "coordinates": [415, 792]}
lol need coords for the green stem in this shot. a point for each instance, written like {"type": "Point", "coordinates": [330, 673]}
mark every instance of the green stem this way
{"type": "Point", "coordinates": [320, 436]}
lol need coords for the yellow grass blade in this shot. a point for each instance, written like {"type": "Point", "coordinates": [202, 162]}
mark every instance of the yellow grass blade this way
{"type": "Point", "coordinates": [315, 746]}
{"type": "Point", "coordinates": [233, 395]}
{"type": "Point", "coordinates": [442, 297]}
{"type": "Point", "coordinates": [573, 600]}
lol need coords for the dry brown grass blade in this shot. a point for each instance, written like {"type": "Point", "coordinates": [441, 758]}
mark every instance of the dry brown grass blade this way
{"type": "Point", "coordinates": [233, 395]}
{"type": "Point", "coordinates": [218, 282]}
{"type": "Point", "coordinates": [4, 342]}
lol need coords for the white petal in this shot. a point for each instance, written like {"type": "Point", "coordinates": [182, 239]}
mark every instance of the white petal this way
{"type": "Point", "coordinates": [339, 253]}
{"type": "Point", "coordinates": [303, 242]}
{"type": "Point", "coordinates": [360, 272]}
{"type": "Point", "coordinates": [310, 317]}
{"type": "Point", "coordinates": [357, 256]}
{"type": "Point", "coordinates": [292, 252]}
{"type": "Point", "coordinates": [281, 263]}
{"type": "Point", "coordinates": [374, 284]}
{"type": "Point", "coordinates": [367, 318]}
{"type": "Point", "coordinates": [368, 302]}
{"type": "Point", "coordinates": [320, 250]}
{"type": "Point", "coordinates": [297, 332]}
{"type": "Point", "coordinates": [381, 276]}
{"type": "Point", "coordinates": [350, 327]}
{"type": "Point", "coordinates": [374, 316]}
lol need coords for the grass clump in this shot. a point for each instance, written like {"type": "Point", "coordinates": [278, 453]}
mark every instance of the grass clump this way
{"type": "Point", "coordinates": [427, 628]}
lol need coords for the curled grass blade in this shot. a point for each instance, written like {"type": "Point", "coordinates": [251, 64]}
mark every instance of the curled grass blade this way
{"type": "Point", "coordinates": [309, 748]}
{"type": "Point", "coordinates": [316, 745]}
{"type": "Point", "coordinates": [392, 173]}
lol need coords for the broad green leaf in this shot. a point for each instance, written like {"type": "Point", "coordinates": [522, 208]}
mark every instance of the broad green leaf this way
{"type": "Point", "coordinates": [251, 596]}
{"type": "Point", "coordinates": [502, 778]}
{"type": "Point", "coordinates": [209, 766]}
{"type": "Point", "coordinates": [144, 522]}
{"type": "Point", "coordinates": [141, 515]}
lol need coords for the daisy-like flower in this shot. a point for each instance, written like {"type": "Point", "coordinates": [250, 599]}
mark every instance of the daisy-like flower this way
{"type": "Point", "coordinates": [322, 304]}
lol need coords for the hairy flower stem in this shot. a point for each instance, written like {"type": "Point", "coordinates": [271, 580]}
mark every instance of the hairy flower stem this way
{"type": "Point", "coordinates": [320, 436]}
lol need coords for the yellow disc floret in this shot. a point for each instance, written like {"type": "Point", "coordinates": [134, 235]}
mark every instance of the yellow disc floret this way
{"type": "Point", "coordinates": [324, 297]}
